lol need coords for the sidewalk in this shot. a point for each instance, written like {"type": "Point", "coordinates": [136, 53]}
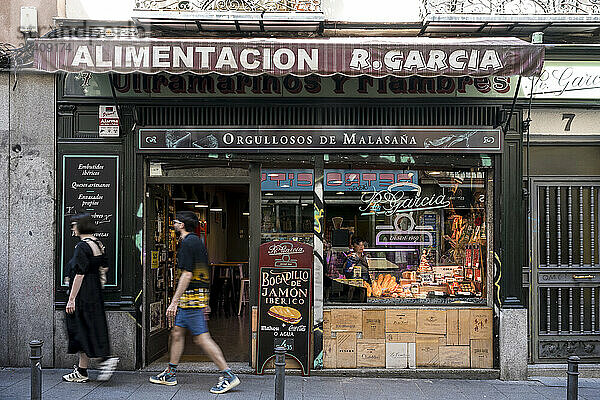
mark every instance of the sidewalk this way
{"type": "Point", "coordinates": [14, 384]}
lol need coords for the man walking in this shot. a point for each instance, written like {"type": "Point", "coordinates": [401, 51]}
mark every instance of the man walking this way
{"type": "Point", "coordinates": [189, 305]}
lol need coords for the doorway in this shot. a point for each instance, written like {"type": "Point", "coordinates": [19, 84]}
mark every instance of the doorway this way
{"type": "Point", "coordinates": [565, 284]}
{"type": "Point", "coordinates": [223, 213]}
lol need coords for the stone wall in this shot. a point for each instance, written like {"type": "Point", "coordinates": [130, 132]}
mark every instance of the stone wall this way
{"type": "Point", "coordinates": [122, 334]}
{"type": "Point", "coordinates": [27, 225]}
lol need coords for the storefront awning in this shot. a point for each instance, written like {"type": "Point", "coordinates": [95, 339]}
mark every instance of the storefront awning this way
{"type": "Point", "coordinates": [374, 56]}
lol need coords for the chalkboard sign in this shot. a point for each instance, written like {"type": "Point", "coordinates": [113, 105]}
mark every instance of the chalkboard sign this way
{"type": "Point", "coordinates": [90, 184]}
{"type": "Point", "coordinates": [285, 302]}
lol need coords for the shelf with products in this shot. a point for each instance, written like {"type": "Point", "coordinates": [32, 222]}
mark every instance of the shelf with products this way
{"type": "Point", "coordinates": [300, 237]}
{"type": "Point", "coordinates": [286, 216]}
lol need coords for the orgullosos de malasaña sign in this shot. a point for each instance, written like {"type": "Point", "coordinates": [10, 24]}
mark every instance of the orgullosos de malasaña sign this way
{"type": "Point", "coordinates": [442, 139]}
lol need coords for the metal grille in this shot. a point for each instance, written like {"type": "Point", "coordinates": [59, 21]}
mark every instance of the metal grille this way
{"type": "Point", "coordinates": [319, 115]}
{"type": "Point", "coordinates": [566, 266]}
{"type": "Point", "coordinates": [510, 7]}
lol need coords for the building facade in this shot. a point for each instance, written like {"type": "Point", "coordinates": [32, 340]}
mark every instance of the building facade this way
{"type": "Point", "coordinates": [428, 170]}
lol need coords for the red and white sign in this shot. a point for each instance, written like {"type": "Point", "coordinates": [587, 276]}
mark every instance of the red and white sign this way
{"type": "Point", "coordinates": [108, 121]}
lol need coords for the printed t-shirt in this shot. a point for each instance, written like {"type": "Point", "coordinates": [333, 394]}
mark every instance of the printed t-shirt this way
{"type": "Point", "coordinates": [193, 257]}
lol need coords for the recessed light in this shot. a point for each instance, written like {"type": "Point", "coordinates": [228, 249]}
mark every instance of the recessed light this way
{"type": "Point", "coordinates": [201, 205]}
{"type": "Point", "coordinates": [268, 194]}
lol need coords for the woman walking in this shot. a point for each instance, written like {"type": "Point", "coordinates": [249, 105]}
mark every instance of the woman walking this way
{"type": "Point", "coordinates": [86, 319]}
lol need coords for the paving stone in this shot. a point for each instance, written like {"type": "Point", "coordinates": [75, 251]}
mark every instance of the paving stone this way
{"type": "Point", "coordinates": [9, 377]}
{"type": "Point", "coordinates": [135, 385]}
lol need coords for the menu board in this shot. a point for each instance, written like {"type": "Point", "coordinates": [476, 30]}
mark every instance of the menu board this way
{"type": "Point", "coordinates": [90, 185]}
{"type": "Point", "coordinates": [285, 302]}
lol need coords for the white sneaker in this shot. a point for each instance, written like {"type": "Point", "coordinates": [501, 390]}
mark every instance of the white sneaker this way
{"type": "Point", "coordinates": [75, 376]}
{"type": "Point", "coordinates": [107, 368]}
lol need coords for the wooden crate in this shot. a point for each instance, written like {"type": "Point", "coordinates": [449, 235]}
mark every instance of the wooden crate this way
{"type": "Point", "coordinates": [329, 353]}
{"type": "Point", "coordinates": [326, 323]}
{"type": "Point", "coordinates": [401, 321]}
{"type": "Point", "coordinates": [346, 320]}
{"type": "Point", "coordinates": [464, 327]}
{"type": "Point", "coordinates": [431, 321]}
{"type": "Point", "coordinates": [455, 356]}
{"type": "Point", "coordinates": [396, 355]}
{"type": "Point", "coordinates": [373, 324]}
{"type": "Point", "coordinates": [346, 350]}
{"type": "Point", "coordinates": [427, 349]}
{"type": "Point", "coordinates": [400, 337]}
{"type": "Point", "coordinates": [482, 353]}
{"type": "Point", "coordinates": [481, 324]}
{"type": "Point", "coordinates": [452, 327]}
{"type": "Point", "coordinates": [370, 353]}
{"type": "Point", "coordinates": [412, 355]}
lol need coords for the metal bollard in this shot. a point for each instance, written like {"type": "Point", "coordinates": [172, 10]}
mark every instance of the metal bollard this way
{"type": "Point", "coordinates": [573, 377]}
{"type": "Point", "coordinates": [36, 369]}
{"type": "Point", "coordinates": [279, 373]}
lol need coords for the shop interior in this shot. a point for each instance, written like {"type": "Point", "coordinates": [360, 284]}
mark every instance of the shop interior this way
{"type": "Point", "coordinates": [424, 230]}
{"type": "Point", "coordinates": [223, 212]}
{"type": "Point", "coordinates": [425, 237]}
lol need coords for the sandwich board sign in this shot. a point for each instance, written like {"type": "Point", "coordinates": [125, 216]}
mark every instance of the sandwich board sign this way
{"type": "Point", "coordinates": [285, 302]}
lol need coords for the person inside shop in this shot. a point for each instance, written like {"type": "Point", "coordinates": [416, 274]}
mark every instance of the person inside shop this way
{"type": "Point", "coordinates": [87, 329]}
{"type": "Point", "coordinates": [357, 265]}
{"type": "Point", "coordinates": [189, 307]}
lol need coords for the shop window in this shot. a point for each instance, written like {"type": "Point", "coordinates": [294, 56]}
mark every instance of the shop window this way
{"type": "Point", "coordinates": [287, 205]}
{"type": "Point", "coordinates": [422, 233]}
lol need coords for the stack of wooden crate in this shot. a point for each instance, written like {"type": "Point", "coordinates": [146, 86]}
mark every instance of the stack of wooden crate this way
{"type": "Point", "coordinates": [408, 338]}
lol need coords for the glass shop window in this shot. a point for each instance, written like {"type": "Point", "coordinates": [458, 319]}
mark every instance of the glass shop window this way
{"type": "Point", "coordinates": [287, 205]}
{"type": "Point", "coordinates": [405, 236]}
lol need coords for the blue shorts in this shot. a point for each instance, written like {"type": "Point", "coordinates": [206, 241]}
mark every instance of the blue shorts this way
{"type": "Point", "coordinates": [192, 319]}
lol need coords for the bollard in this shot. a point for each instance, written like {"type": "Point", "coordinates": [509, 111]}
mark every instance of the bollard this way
{"type": "Point", "coordinates": [573, 378]}
{"type": "Point", "coordinates": [279, 373]}
{"type": "Point", "coordinates": [36, 369]}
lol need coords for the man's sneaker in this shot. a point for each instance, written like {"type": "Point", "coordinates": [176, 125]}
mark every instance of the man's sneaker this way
{"type": "Point", "coordinates": [107, 367]}
{"type": "Point", "coordinates": [165, 378]}
{"type": "Point", "coordinates": [225, 384]}
{"type": "Point", "coordinates": [75, 376]}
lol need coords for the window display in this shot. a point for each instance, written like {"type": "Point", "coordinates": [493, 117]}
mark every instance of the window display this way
{"type": "Point", "coordinates": [400, 235]}
{"type": "Point", "coordinates": [390, 236]}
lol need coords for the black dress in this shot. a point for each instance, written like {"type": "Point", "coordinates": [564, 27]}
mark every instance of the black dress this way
{"type": "Point", "coordinates": [86, 327]}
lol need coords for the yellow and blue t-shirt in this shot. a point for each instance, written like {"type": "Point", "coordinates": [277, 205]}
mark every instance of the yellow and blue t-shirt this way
{"type": "Point", "coordinates": [193, 257]}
